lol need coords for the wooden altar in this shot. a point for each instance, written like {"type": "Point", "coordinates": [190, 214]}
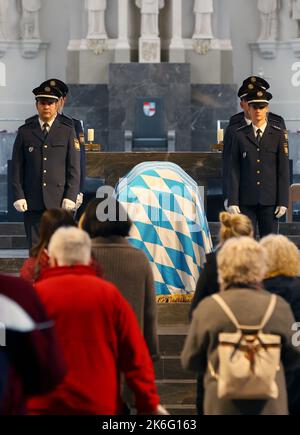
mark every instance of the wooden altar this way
{"type": "Point", "coordinates": [204, 167]}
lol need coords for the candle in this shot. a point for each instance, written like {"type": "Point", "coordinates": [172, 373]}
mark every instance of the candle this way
{"type": "Point", "coordinates": [90, 135]}
{"type": "Point", "coordinates": [220, 135]}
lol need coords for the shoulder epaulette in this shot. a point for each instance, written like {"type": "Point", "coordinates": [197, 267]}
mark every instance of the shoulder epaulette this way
{"type": "Point", "coordinates": [66, 120]}
{"type": "Point", "coordinates": [31, 119]}
{"type": "Point", "coordinates": [242, 127]}
{"type": "Point", "coordinates": [235, 119]}
{"type": "Point", "coordinates": [275, 117]}
{"type": "Point", "coordinates": [276, 127]}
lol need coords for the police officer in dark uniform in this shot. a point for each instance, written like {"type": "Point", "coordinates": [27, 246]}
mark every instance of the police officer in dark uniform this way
{"type": "Point", "coordinates": [249, 85]}
{"type": "Point", "coordinates": [78, 131]}
{"type": "Point", "coordinates": [45, 163]}
{"type": "Point", "coordinates": [259, 168]}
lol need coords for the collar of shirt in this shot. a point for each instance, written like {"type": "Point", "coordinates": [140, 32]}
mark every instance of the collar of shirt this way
{"type": "Point", "coordinates": [248, 121]}
{"type": "Point", "coordinates": [261, 128]}
{"type": "Point", "coordinates": [48, 122]}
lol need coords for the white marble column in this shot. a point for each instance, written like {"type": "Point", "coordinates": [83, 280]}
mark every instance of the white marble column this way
{"type": "Point", "coordinates": [176, 49]}
{"type": "Point", "coordinates": [122, 50]}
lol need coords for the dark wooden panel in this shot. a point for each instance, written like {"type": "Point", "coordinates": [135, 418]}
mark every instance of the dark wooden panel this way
{"type": "Point", "coordinates": [203, 167]}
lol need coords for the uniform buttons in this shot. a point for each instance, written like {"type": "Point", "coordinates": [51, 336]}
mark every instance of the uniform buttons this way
{"type": "Point", "coordinates": [45, 184]}
{"type": "Point", "coordinates": [45, 172]}
{"type": "Point", "coordinates": [45, 158]}
{"type": "Point", "coordinates": [258, 183]}
{"type": "Point", "coordinates": [45, 146]}
{"type": "Point", "coordinates": [258, 172]}
{"type": "Point", "coordinates": [258, 161]}
{"type": "Point", "coordinates": [258, 149]}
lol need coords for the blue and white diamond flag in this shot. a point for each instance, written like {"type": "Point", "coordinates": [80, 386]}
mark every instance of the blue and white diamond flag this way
{"type": "Point", "coordinates": [169, 224]}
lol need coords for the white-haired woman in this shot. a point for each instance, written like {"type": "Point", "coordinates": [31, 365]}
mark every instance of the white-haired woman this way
{"type": "Point", "coordinates": [241, 267]}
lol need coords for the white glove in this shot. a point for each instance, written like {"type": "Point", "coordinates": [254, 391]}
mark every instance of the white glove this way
{"type": "Point", "coordinates": [280, 211]}
{"type": "Point", "coordinates": [226, 204]}
{"type": "Point", "coordinates": [21, 205]}
{"type": "Point", "coordinates": [234, 209]}
{"type": "Point", "coordinates": [68, 205]}
{"type": "Point", "coordinates": [79, 200]}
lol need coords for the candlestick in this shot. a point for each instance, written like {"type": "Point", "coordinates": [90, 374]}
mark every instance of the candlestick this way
{"type": "Point", "coordinates": [220, 135]}
{"type": "Point", "coordinates": [91, 135]}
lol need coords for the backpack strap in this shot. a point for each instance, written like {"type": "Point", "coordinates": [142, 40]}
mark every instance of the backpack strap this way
{"type": "Point", "coordinates": [220, 301]}
{"type": "Point", "coordinates": [269, 312]}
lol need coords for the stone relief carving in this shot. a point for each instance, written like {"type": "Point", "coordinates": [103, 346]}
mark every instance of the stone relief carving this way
{"type": "Point", "coordinates": [149, 16]}
{"type": "Point", "coordinates": [203, 10]}
{"type": "Point", "coordinates": [268, 10]}
{"type": "Point", "coordinates": [30, 28]}
{"type": "Point", "coordinates": [96, 19]}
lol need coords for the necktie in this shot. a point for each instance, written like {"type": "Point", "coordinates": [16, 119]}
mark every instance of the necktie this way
{"type": "Point", "coordinates": [45, 129]}
{"type": "Point", "coordinates": [258, 135]}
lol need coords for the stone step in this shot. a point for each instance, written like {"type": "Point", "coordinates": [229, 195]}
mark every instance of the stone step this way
{"type": "Point", "coordinates": [171, 339]}
{"type": "Point", "coordinates": [11, 260]}
{"type": "Point", "coordinates": [169, 367]}
{"type": "Point", "coordinates": [12, 229]}
{"type": "Point", "coordinates": [13, 242]}
{"type": "Point", "coordinates": [181, 409]}
{"type": "Point", "coordinates": [173, 313]}
{"type": "Point", "coordinates": [177, 392]}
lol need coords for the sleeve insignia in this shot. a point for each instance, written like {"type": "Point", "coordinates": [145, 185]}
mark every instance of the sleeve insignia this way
{"type": "Point", "coordinates": [76, 145]}
{"type": "Point", "coordinates": [286, 148]}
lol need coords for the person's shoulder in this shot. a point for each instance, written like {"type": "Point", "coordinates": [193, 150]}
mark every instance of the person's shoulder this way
{"type": "Point", "coordinates": [29, 123]}
{"type": "Point", "coordinates": [31, 120]}
{"type": "Point", "coordinates": [65, 120]}
{"type": "Point", "coordinates": [236, 119]}
{"type": "Point", "coordinates": [277, 119]}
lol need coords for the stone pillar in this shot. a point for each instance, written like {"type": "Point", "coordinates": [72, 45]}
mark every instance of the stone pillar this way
{"type": "Point", "coordinates": [176, 50]}
{"type": "Point", "coordinates": [122, 49]}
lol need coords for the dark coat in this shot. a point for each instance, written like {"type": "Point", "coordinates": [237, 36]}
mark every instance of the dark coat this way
{"type": "Point", "coordinates": [289, 288]}
{"type": "Point", "coordinates": [235, 122]}
{"type": "Point", "coordinates": [259, 174]}
{"type": "Point", "coordinates": [207, 283]}
{"type": "Point", "coordinates": [44, 171]}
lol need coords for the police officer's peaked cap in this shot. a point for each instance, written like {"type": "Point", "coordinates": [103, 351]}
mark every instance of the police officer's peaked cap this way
{"type": "Point", "coordinates": [56, 83]}
{"type": "Point", "coordinates": [247, 89]}
{"type": "Point", "coordinates": [47, 92]}
{"type": "Point", "coordinates": [257, 82]}
{"type": "Point", "coordinates": [259, 96]}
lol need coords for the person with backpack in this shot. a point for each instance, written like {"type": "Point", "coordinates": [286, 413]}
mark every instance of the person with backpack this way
{"type": "Point", "coordinates": [242, 339]}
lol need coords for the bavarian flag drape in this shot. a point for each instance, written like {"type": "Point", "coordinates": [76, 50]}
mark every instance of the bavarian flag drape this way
{"type": "Point", "coordinates": [169, 225]}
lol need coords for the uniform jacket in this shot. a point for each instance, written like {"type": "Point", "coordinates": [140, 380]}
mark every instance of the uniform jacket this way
{"type": "Point", "coordinates": [235, 122]}
{"type": "Point", "coordinates": [31, 362]}
{"type": "Point", "coordinates": [259, 173]}
{"type": "Point", "coordinates": [100, 338]}
{"type": "Point", "coordinates": [44, 171]}
{"type": "Point", "coordinates": [249, 306]}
